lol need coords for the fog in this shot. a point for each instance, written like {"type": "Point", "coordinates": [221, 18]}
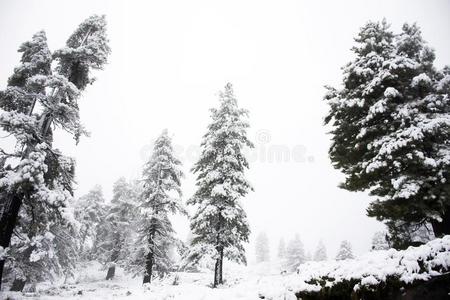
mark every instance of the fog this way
{"type": "Point", "coordinates": [171, 58]}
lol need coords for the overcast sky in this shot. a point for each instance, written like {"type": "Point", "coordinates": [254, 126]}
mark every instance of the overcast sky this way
{"type": "Point", "coordinates": [169, 60]}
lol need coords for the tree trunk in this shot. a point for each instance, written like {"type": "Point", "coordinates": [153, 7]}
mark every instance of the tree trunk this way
{"type": "Point", "coordinates": [221, 267]}
{"type": "Point", "coordinates": [442, 228]}
{"type": "Point", "coordinates": [111, 272]}
{"type": "Point", "coordinates": [148, 268]}
{"type": "Point", "coordinates": [8, 218]}
{"type": "Point", "coordinates": [216, 273]}
{"type": "Point", "coordinates": [17, 285]}
{"type": "Point", "coordinates": [2, 265]}
{"type": "Point", "coordinates": [218, 269]}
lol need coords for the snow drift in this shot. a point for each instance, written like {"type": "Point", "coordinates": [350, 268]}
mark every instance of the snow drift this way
{"type": "Point", "coordinates": [365, 273]}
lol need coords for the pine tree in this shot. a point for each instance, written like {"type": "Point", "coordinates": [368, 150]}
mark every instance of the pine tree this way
{"type": "Point", "coordinates": [89, 211]}
{"type": "Point", "coordinates": [391, 128]}
{"type": "Point", "coordinates": [380, 241]}
{"type": "Point", "coordinates": [116, 231]}
{"type": "Point", "coordinates": [36, 178]}
{"type": "Point", "coordinates": [345, 251]}
{"type": "Point", "coordinates": [295, 253]}
{"type": "Point", "coordinates": [281, 249]}
{"type": "Point", "coordinates": [321, 252]}
{"type": "Point", "coordinates": [262, 250]}
{"type": "Point", "coordinates": [161, 196]}
{"type": "Point", "coordinates": [17, 103]}
{"type": "Point", "coordinates": [220, 224]}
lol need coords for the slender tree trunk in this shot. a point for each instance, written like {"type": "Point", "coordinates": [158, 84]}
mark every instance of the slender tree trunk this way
{"type": "Point", "coordinates": [221, 266]}
{"type": "Point", "coordinates": [442, 228]}
{"type": "Point", "coordinates": [8, 219]}
{"type": "Point", "coordinates": [216, 273]}
{"type": "Point", "coordinates": [2, 265]}
{"type": "Point", "coordinates": [149, 260]}
{"type": "Point", "coordinates": [218, 269]}
{"type": "Point", "coordinates": [148, 268]}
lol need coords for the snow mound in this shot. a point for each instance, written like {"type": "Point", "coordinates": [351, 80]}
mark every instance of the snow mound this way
{"type": "Point", "coordinates": [410, 265]}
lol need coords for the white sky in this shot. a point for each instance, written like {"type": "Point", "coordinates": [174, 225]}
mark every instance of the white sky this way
{"type": "Point", "coordinates": [170, 58]}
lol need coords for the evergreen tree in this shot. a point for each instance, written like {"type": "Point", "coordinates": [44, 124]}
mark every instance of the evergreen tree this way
{"type": "Point", "coordinates": [380, 241]}
{"type": "Point", "coordinates": [391, 128]}
{"type": "Point", "coordinates": [262, 250]}
{"type": "Point", "coordinates": [35, 178]}
{"type": "Point", "coordinates": [321, 252]}
{"type": "Point", "coordinates": [295, 253]}
{"type": "Point", "coordinates": [345, 251]}
{"type": "Point", "coordinates": [281, 249]}
{"type": "Point", "coordinates": [116, 231]}
{"type": "Point", "coordinates": [89, 212]}
{"type": "Point", "coordinates": [161, 196]}
{"type": "Point", "coordinates": [219, 223]}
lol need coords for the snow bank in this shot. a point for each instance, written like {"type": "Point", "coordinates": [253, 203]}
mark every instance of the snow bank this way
{"type": "Point", "coordinates": [407, 266]}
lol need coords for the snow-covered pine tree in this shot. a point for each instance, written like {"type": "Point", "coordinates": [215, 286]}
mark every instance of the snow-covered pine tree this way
{"type": "Point", "coordinates": [281, 249]}
{"type": "Point", "coordinates": [89, 211]}
{"type": "Point", "coordinates": [321, 252]}
{"type": "Point", "coordinates": [295, 253]}
{"type": "Point", "coordinates": [262, 249]}
{"type": "Point", "coordinates": [345, 251]}
{"type": "Point", "coordinates": [17, 103]}
{"type": "Point", "coordinates": [35, 177]}
{"type": "Point", "coordinates": [161, 196]}
{"type": "Point", "coordinates": [220, 222]}
{"type": "Point", "coordinates": [380, 241]}
{"type": "Point", "coordinates": [418, 194]}
{"type": "Point", "coordinates": [116, 231]}
{"type": "Point", "coordinates": [391, 128]}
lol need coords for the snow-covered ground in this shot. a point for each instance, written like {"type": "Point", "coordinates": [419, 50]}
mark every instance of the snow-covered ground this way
{"type": "Point", "coordinates": [250, 282]}
{"type": "Point", "coordinates": [241, 283]}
